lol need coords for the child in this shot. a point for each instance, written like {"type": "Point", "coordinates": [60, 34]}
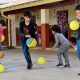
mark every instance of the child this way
{"type": "Point", "coordinates": [2, 23]}
{"type": "Point", "coordinates": [62, 42]}
{"type": "Point", "coordinates": [77, 10]}
{"type": "Point", "coordinates": [27, 29]}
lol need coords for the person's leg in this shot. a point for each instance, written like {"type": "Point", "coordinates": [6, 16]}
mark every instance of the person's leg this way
{"type": "Point", "coordinates": [65, 55]}
{"type": "Point", "coordinates": [59, 54]}
{"type": "Point", "coordinates": [78, 48]}
{"type": "Point", "coordinates": [26, 54]}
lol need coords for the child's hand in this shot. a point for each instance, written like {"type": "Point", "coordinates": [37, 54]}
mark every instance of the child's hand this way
{"type": "Point", "coordinates": [75, 47]}
{"type": "Point", "coordinates": [36, 32]}
{"type": "Point", "coordinates": [28, 36]}
{"type": "Point", "coordinates": [71, 44]}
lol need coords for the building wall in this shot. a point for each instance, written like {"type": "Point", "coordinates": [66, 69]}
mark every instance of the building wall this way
{"type": "Point", "coordinates": [52, 14]}
{"type": "Point", "coordinates": [52, 18]}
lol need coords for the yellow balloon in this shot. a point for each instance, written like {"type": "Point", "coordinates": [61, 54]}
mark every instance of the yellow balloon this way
{"type": "Point", "coordinates": [2, 38]}
{"type": "Point", "coordinates": [1, 54]}
{"type": "Point", "coordinates": [41, 61]}
{"type": "Point", "coordinates": [74, 25]}
{"type": "Point", "coordinates": [1, 68]}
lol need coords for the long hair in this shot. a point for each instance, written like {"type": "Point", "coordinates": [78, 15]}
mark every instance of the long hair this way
{"type": "Point", "coordinates": [56, 28]}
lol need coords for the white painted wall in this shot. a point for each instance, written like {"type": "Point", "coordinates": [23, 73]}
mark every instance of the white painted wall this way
{"type": "Point", "coordinates": [44, 16]}
{"type": "Point", "coordinates": [38, 17]}
{"type": "Point", "coordinates": [52, 19]}
{"type": "Point", "coordinates": [52, 15]}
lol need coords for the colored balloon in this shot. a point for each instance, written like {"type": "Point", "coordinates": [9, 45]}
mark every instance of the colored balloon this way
{"type": "Point", "coordinates": [2, 69]}
{"type": "Point", "coordinates": [1, 54]}
{"type": "Point", "coordinates": [41, 61]}
{"type": "Point", "coordinates": [31, 42]}
{"type": "Point", "coordinates": [2, 38]}
{"type": "Point", "coordinates": [74, 25]}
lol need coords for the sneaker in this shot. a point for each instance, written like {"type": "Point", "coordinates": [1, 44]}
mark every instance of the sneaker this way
{"type": "Point", "coordinates": [67, 65]}
{"type": "Point", "coordinates": [29, 66]}
{"type": "Point", "coordinates": [59, 65]}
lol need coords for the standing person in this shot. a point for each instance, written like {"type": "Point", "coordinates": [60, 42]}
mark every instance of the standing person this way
{"type": "Point", "coordinates": [77, 10]}
{"type": "Point", "coordinates": [63, 43]}
{"type": "Point", "coordinates": [2, 23]}
{"type": "Point", "coordinates": [27, 29]}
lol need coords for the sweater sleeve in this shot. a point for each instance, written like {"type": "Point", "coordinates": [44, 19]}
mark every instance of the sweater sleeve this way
{"type": "Point", "coordinates": [56, 41]}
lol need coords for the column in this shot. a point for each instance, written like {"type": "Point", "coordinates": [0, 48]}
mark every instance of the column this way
{"type": "Point", "coordinates": [11, 31]}
{"type": "Point", "coordinates": [45, 27]}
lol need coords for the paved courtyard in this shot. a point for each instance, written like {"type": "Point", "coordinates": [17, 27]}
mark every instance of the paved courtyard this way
{"type": "Point", "coordinates": [15, 66]}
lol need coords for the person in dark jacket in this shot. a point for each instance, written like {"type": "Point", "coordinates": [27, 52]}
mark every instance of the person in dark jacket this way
{"type": "Point", "coordinates": [77, 10]}
{"type": "Point", "coordinates": [27, 29]}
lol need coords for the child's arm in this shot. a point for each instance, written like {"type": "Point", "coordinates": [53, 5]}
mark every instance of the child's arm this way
{"type": "Point", "coordinates": [56, 41]}
{"type": "Point", "coordinates": [71, 44]}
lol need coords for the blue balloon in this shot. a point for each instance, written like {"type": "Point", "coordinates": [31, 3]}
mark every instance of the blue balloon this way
{"type": "Point", "coordinates": [28, 41]}
{"type": "Point", "coordinates": [31, 42]}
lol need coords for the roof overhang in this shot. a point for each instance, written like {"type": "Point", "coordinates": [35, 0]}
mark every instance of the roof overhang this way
{"type": "Point", "coordinates": [28, 4]}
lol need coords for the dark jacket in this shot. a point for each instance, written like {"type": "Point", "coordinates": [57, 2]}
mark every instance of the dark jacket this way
{"type": "Point", "coordinates": [27, 29]}
{"type": "Point", "coordinates": [78, 33]}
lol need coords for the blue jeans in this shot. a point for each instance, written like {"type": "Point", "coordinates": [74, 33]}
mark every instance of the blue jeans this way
{"type": "Point", "coordinates": [78, 48]}
{"type": "Point", "coordinates": [26, 51]}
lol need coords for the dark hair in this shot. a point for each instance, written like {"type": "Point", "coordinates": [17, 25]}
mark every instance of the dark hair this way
{"type": "Point", "coordinates": [27, 14]}
{"type": "Point", "coordinates": [77, 7]}
{"type": "Point", "coordinates": [21, 19]}
{"type": "Point", "coordinates": [56, 28]}
{"type": "Point", "coordinates": [2, 22]}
